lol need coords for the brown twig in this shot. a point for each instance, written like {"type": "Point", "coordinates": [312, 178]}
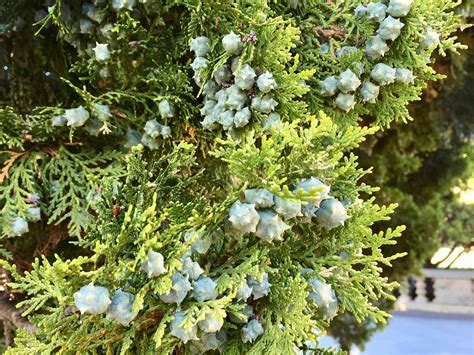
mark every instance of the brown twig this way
{"type": "Point", "coordinates": [8, 164]}
{"type": "Point", "coordinates": [7, 333]}
{"type": "Point", "coordinates": [9, 313]}
{"type": "Point", "coordinates": [332, 32]}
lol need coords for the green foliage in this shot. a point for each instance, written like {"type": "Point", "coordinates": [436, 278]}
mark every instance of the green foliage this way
{"type": "Point", "coordinates": [333, 23]}
{"type": "Point", "coordinates": [77, 176]}
{"type": "Point", "coordinates": [120, 203]}
{"type": "Point", "coordinates": [68, 181]}
{"type": "Point", "coordinates": [421, 168]}
{"type": "Point", "coordinates": [119, 245]}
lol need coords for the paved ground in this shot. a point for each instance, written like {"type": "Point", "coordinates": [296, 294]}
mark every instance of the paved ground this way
{"type": "Point", "coordinates": [422, 333]}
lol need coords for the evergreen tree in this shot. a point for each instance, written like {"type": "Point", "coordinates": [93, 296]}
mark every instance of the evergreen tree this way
{"type": "Point", "coordinates": [422, 168]}
{"type": "Point", "coordinates": [191, 166]}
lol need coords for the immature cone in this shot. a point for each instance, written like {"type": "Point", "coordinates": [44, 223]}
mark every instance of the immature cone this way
{"type": "Point", "coordinates": [244, 292]}
{"type": "Point", "coordinates": [86, 26]}
{"type": "Point", "coordinates": [251, 331]}
{"type": "Point", "coordinates": [311, 184]}
{"type": "Point", "coordinates": [149, 141]}
{"type": "Point", "coordinates": [200, 46]}
{"type": "Point", "coordinates": [390, 28]}
{"type": "Point", "coordinates": [264, 104]}
{"type": "Point", "coordinates": [232, 43]}
{"type": "Point", "coordinates": [58, 121]}
{"type": "Point", "coordinates": [154, 264]}
{"type": "Point", "coordinates": [360, 11]}
{"type": "Point", "coordinates": [329, 86]}
{"type": "Point", "coordinates": [331, 213]}
{"type": "Point", "coordinates": [93, 127]}
{"type": "Point", "coordinates": [222, 75]}
{"type": "Point", "coordinates": [210, 89]}
{"type": "Point", "coordinates": [180, 288]}
{"type": "Point", "coordinates": [430, 39]}
{"type": "Point", "coordinates": [235, 98]}
{"type": "Point", "coordinates": [324, 297]}
{"type": "Point", "coordinates": [121, 308]}
{"type": "Point", "coordinates": [369, 92]}
{"type": "Point", "coordinates": [34, 213]}
{"type": "Point", "coordinates": [383, 74]}
{"type": "Point", "coordinates": [221, 97]}
{"type": "Point", "coordinates": [345, 102]}
{"type": "Point", "coordinates": [201, 244]}
{"type": "Point", "coordinates": [348, 81]}
{"type": "Point", "coordinates": [132, 138]}
{"type": "Point", "coordinates": [226, 119]}
{"type": "Point", "coordinates": [204, 289]}
{"type": "Point", "coordinates": [266, 83]}
{"type": "Point", "coordinates": [260, 288]}
{"type": "Point", "coordinates": [92, 12]}
{"type": "Point", "coordinates": [242, 117]}
{"type": "Point", "coordinates": [19, 226]}
{"type": "Point", "coordinates": [243, 217]}
{"type": "Point", "coordinates": [234, 64]}
{"type": "Point", "coordinates": [261, 198]}
{"type": "Point", "coordinates": [376, 11]}
{"type": "Point", "coordinates": [154, 129]}
{"type": "Point", "coordinates": [190, 268]}
{"type": "Point", "coordinates": [102, 111]}
{"type": "Point", "coordinates": [211, 323]}
{"type": "Point", "coordinates": [399, 8]}
{"type": "Point", "coordinates": [287, 209]}
{"type": "Point", "coordinates": [404, 75]}
{"type": "Point", "coordinates": [101, 51]}
{"type": "Point", "coordinates": [123, 4]}
{"type": "Point", "coordinates": [324, 48]}
{"type": "Point", "coordinates": [208, 106]}
{"type": "Point", "coordinates": [209, 341]}
{"type": "Point", "coordinates": [245, 77]}
{"type": "Point", "coordinates": [376, 47]}
{"type": "Point", "coordinates": [92, 299]}
{"type": "Point", "coordinates": [166, 109]}
{"type": "Point", "coordinates": [76, 117]}
{"type": "Point", "coordinates": [270, 227]}
{"type": "Point", "coordinates": [179, 331]}
{"type": "Point", "coordinates": [346, 50]}
{"type": "Point", "coordinates": [271, 122]}
{"type": "Point", "coordinates": [198, 64]}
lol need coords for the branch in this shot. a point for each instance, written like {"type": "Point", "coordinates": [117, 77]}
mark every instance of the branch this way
{"type": "Point", "coordinates": [8, 164]}
{"type": "Point", "coordinates": [8, 312]}
{"type": "Point", "coordinates": [7, 333]}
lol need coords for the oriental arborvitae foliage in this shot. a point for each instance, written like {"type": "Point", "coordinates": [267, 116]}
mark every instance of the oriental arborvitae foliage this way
{"type": "Point", "coordinates": [421, 168]}
{"type": "Point", "coordinates": [201, 155]}
{"type": "Point", "coordinates": [161, 202]}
